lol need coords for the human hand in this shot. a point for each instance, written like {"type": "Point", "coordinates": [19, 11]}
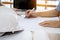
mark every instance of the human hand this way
{"type": "Point", "coordinates": [30, 14]}
{"type": "Point", "coordinates": [50, 23]}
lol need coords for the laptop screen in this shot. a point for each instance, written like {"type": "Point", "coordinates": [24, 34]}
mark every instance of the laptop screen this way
{"type": "Point", "coordinates": [24, 4]}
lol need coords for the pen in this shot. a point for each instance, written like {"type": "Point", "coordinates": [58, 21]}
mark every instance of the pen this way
{"type": "Point", "coordinates": [27, 16]}
{"type": "Point", "coordinates": [32, 10]}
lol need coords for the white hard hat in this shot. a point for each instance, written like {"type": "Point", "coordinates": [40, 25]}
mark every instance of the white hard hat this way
{"type": "Point", "coordinates": [8, 20]}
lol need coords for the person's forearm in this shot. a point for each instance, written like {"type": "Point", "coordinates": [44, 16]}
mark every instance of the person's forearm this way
{"type": "Point", "coordinates": [52, 13]}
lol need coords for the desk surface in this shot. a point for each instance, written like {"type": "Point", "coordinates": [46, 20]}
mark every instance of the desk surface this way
{"type": "Point", "coordinates": [40, 33]}
{"type": "Point", "coordinates": [32, 24]}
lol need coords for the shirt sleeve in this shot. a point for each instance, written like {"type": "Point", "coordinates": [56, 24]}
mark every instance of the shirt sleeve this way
{"type": "Point", "coordinates": [58, 7]}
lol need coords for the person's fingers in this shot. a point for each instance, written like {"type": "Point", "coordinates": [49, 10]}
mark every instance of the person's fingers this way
{"type": "Point", "coordinates": [46, 23]}
{"type": "Point", "coordinates": [27, 11]}
{"type": "Point", "coordinates": [54, 24]}
{"type": "Point", "coordinates": [28, 14]}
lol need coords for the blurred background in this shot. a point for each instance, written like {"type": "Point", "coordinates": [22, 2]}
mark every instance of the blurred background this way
{"type": "Point", "coordinates": [42, 5]}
